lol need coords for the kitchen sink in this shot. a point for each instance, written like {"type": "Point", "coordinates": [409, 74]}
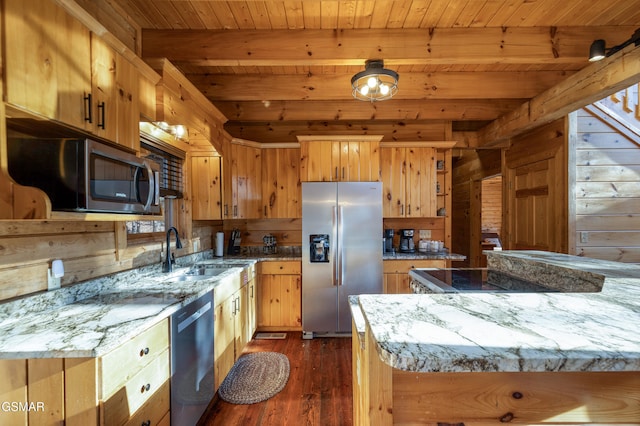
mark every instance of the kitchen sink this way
{"type": "Point", "coordinates": [201, 271]}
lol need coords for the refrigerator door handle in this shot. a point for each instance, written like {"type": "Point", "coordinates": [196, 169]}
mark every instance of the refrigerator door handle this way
{"type": "Point", "coordinates": [340, 251]}
{"type": "Point", "coordinates": [334, 249]}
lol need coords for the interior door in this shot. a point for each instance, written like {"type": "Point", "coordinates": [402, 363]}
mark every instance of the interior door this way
{"type": "Point", "coordinates": [531, 207]}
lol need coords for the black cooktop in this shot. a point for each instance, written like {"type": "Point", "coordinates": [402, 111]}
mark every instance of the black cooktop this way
{"type": "Point", "coordinates": [478, 279]}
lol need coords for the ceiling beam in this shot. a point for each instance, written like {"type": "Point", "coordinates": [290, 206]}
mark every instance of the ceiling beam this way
{"type": "Point", "coordinates": [277, 132]}
{"type": "Point", "coordinates": [585, 87]}
{"type": "Point", "coordinates": [517, 45]}
{"type": "Point", "coordinates": [393, 109]}
{"type": "Point", "coordinates": [437, 85]}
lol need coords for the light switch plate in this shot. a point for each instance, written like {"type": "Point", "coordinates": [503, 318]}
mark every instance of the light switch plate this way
{"type": "Point", "coordinates": [425, 234]}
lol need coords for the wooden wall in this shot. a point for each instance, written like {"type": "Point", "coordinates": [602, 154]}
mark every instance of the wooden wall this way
{"type": "Point", "coordinates": [470, 167]}
{"type": "Point", "coordinates": [607, 192]}
{"type": "Point", "coordinates": [88, 250]}
{"type": "Point", "coordinates": [491, 205]}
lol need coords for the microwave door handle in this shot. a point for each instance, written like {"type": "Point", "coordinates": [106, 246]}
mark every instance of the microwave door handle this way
{"type": "Point", "coordinates": [156, 188]}
{"type": "Point", "coordinates": [152, 184]}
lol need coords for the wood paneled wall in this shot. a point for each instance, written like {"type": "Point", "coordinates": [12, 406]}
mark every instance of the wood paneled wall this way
{"type": "Point", "coordinates": [88, 250]}
{"type": "Point", "coordinates": [607, 192]}
{"type": "Point", "coordinates": [491, 209]}
{"type": "Point", "coordinates": [288, 232]}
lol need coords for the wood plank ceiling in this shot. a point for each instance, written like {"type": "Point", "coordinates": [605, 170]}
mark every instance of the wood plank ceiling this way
{"type": "Point", "coordinates": [278, 69]}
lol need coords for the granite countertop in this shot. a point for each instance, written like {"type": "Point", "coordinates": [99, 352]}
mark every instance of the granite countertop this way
{"type": "Point", "coordinates": [441, 255]}
{"type": "Point", "coordinates": [90, 319]}
{"type": "Point", "coordinates": [514, 332]}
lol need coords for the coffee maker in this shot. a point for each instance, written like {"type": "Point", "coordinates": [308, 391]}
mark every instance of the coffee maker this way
{"type": "Point", "coordinates": [388, 240]}
{"type": "Point", "coordinates": [406, 241]}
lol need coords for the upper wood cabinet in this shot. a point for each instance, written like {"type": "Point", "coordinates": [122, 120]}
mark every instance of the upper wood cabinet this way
{"type": "Point", "coordinates": [56, 68]}
{"type": "Point", "coordinates": [47, 57]}
{"type": "Point", "coordinates": [334, 159]}
{"type": "Point", "coordinates": [206, 188]}
{"type": "Point", "coordinates": [281, 189]}
{"type": "Point", "coordinates": [243, 189]}
{"type": "Point", "coordinates": [409, 181]}
{"type": "Point", "coordinates": [115, 106]}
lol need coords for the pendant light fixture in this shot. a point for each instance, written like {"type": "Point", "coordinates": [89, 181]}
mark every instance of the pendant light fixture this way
{"type": "Point", "coordinates": [375, 83]}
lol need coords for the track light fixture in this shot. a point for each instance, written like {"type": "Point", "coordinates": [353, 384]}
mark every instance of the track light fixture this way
{"type": "Point", "coordinates": [598, 49]}
{"type": "Point", "coordinates": [375, 83]}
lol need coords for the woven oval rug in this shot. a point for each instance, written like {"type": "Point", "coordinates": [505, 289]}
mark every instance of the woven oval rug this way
{"type": "Point", "coordinates": [255, 377]}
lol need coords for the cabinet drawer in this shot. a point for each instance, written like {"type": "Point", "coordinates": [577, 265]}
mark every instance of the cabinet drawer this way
{"type": "Point", "coordinates": [156, 411]}
{"type": "Point", "coordinates": [401, 266]}
{"type": "Point", "coordinates": [281, 268]}
{"type": "Point", "coordinates": [150, 385]}
{"type": "Point", "coordinates": [124, 362]}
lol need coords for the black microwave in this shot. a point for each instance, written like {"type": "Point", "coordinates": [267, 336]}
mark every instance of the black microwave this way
{"type": "Point", "coordinates": [84, 175]}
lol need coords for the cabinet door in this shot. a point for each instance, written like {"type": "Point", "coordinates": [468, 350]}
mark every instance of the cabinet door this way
{"type": "Point", "coordinates": [421, 182]}
{"type": "Point", "coordinates": [46, 80]}
{"type": "Point", "coordinates": [316, 161]}
{"type": "Point", "coordinates": [281, 190]}
{"type": "Point", "coordinates": [393, 170]}
{"type": "Point", "coordinates": [280, 302]}
{"type": "Point", "coordinates": [224, 340]}
{"type": "Point", "coordinates": [206, 194]}
{"type": "Point", "coordinates": [252, 308]}
{"type": "Point", "coordinates": [246, 189]}
{"type": "Point", "coordinates": [397, 283]}
{"type": "Point", "coordinates": [103, 83]}
{"type": "Point", "coordinates": [127, 104]}
{"type": "Point", "coordinates": [241, 320]}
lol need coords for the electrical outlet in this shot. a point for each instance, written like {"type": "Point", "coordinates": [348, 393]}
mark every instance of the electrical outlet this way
{"type": "Point", "coordinates": [196, 246]}
{"type": "Point", "coordinates": [54, 274]}
{"type": "Point", "coordinates": [425, 234]}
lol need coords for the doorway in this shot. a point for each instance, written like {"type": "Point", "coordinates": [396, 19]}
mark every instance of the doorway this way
{"type": "Point", "coordinates": [486, 218]}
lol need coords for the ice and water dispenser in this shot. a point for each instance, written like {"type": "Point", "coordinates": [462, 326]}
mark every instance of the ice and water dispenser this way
{"type": "Point", "coordinates": [319, 248]}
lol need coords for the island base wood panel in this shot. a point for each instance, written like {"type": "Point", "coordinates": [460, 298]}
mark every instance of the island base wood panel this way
{"type": "Point", "coordinates": [398, 397]}
{"type": "Point", "coordinates": [516, 398]}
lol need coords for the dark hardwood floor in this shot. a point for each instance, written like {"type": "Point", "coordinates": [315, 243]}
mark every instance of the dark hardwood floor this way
{"type": "Point", "coordinates": [319, 390]}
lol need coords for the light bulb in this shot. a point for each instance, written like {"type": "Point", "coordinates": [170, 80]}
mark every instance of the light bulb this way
{"type": "Point", "coordinates": [384, 89]}
{"type": "Point", "coordinates": [372, 82]}
{"type": "Point", "coordinates": [364, 90]}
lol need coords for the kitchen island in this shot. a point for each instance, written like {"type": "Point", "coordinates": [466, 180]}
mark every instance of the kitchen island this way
{"type": "Point", "coordinates": [490, 358]}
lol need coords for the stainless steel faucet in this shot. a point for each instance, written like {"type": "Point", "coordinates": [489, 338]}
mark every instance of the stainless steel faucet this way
{"type": "Point", "coordinates": [167, 266]}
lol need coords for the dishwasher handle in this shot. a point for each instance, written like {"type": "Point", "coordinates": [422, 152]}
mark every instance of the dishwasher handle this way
{"type": "Point", "coordinates": [193, 317]}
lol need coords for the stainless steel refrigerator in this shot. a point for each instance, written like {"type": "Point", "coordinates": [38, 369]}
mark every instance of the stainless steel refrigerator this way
{"type": "Point", "coordinates": [341, 251]}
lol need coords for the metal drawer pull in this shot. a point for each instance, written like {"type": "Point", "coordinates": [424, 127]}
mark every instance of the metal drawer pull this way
{"type": "Point", "coordinates": [145, 388]}
{"type": "Point", "coordinates": [144, 352]}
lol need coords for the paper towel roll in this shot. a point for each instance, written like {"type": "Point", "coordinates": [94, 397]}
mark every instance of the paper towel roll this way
{"type": "Point", "coordinates": [219, 244]}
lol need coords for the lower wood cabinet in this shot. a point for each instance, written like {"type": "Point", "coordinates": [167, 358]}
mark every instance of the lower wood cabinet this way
{"type": "Point", "coordinates": [396, 273]}
{"type": "Point", "coordinates": [127, 386]}
{"type": "Point", "coordinates": [235, 319]}
{"type": "Point", "coordinates": [280, 296]}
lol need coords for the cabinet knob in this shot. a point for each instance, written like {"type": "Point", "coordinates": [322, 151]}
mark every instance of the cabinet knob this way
{"type": "Point", "coordinates": [145, 388]}
{"type": "Point", "coordinates": [146, 423]}
{"type": "Point", "coordinates": [144, 351]}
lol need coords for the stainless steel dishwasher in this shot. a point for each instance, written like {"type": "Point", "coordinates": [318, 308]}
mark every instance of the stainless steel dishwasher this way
{"type": "Point", "coordinates": [192, 384]}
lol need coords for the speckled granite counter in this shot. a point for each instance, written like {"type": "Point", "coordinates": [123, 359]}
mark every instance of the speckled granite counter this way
{"type": "Point", "coordinates": [515, 332]}
{"type": "Point", "coordinates": [89, 319]}
{"type": "Point", "coordinates": [443, 255]}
